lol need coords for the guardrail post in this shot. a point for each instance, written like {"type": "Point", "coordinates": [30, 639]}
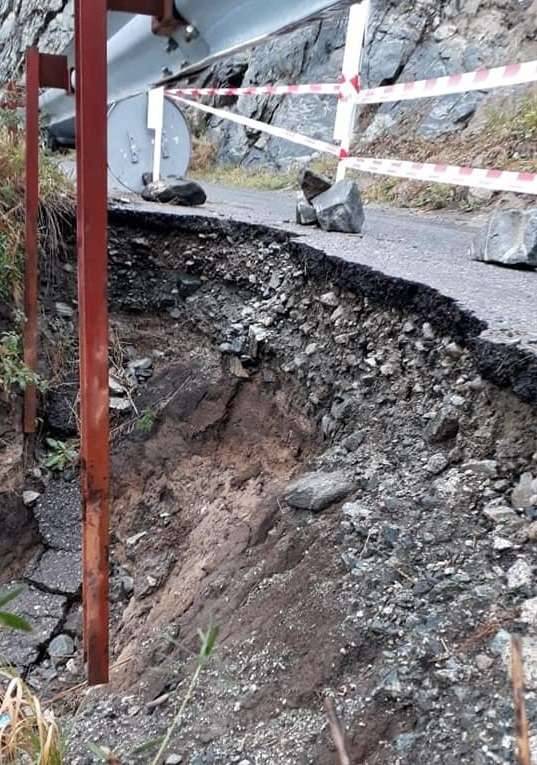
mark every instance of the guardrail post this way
{"type": "Point", "coordinates": [352, 57]}
{"type": "Point", "coordinates": [91, 170]}
{"type": "Point", "coordinates": [31, 263]}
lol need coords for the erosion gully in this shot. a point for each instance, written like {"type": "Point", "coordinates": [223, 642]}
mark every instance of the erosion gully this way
{"type": "Point", "coordinates": [323, 462]}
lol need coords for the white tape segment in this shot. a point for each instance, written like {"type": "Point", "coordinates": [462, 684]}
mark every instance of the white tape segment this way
{"type": "Point", "coordinates": [263, 127]}
{"type": "Point", "coordinates": [495, 180]}
{"type": "Point", "coordinates": [480, 79]}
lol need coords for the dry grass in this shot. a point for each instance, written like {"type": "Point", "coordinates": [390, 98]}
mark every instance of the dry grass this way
{"type": "Point", "coordinates": [56, 206]}
{"type": "Point", "coordinates": [27, 732]}
{"type": "Point", "coordinates": [261, 179]}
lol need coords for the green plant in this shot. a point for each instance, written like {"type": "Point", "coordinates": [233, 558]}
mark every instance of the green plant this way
{"type": "Point", "coordinates": [61, 454]}
{"type": "Point", "coordinates": [146, 420]}
{"type": "Point", "coordinates": [208, 642]}
{"type": "Point", "coordinates": [13, 370]}
{"type": "Point", "coordinates": [7, 619]}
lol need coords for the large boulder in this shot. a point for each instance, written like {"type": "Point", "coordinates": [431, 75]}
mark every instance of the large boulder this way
{"type": "Point", "coordinates": [340, 208]}
{"type": "Point", "coordinates": [312, 184]}
{"type": "Point", "coordinates": [305, 212]}
{"type": "Point", "coordinates": [315, 491]}
{"type": "Point", "coordinates": [175, 191]}
{"type": "Point", "coordinates": [509, 238]}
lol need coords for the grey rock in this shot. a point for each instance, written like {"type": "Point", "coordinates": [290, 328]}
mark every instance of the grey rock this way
{"type": "Point", "coordinates": [442, 427]}
{"type": "Point", "coordinates": [315, 491]}
{"type": "Point", "coordinates": [436, 463]}
{"type": "Point", "coordinates": [340, 208]}
{"type": "Point", "coordinates": [509, 238]}
{"type": "Point", "coordinates": [524, 492]}
{"type": "Point", "coordinates": [486, 468]}
{"type": "Point", "coordinates": [173, 759]}
{"type": "Point", "coordinates": [175, 191]}
{"type": "Point", "coordinates": [29, 497]}
{"type": "Point", "coordinates": [497, 512]}
{"type": "Point", "coordinates": [519, 576]}
{"type": "Point", "coordinates": [312, 184]}
{"type": "Point", "coordinates": [305, 212]}
{"type": "Point", "coordinates": [329, 299]}
{"type": "Point", "coordinates": [118, 404]}
{"type": "Point", "coordinates": [61, 647]}
{"type": "Point", "coordinates": [188, 284]}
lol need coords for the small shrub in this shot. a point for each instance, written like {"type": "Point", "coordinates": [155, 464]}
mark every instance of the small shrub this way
{"type": "Point", "coordinates": [61, 454]}
{"type": "Point", "coordinates": [146, 421]}
{"type": "Point", "coordinates": [13, 371]}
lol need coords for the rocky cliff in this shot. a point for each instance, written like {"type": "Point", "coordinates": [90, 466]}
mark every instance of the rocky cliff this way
{"type": "Point", "coordinates": [406, 40]}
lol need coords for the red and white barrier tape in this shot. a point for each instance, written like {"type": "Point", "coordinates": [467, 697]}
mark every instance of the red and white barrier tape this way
{"type": "Point", "coordinates": [479, 79]}
{"type": "Point", "coordinates": [495, 180]}
{"type": "Point", "coordinates": [325, 89]}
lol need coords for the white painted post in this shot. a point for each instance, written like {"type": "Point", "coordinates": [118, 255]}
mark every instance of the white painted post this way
{"type": "Point", "coordinates": [155, 118]}
{"type": "Point", "coordinates": [352, 57]}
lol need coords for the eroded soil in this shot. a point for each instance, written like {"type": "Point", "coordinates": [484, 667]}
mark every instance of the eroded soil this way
{"type": "Point", "coordinates": [397, 600]}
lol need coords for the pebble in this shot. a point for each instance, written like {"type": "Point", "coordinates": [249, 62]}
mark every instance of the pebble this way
{"type": "Point", "coordinates": [173, 759]}
{"type": "Point", "coordinates": [62, 646]}
{"type": "Point", "coordinates": [329, 299]}
{"type": "Point", "coordinates": [29, 497]}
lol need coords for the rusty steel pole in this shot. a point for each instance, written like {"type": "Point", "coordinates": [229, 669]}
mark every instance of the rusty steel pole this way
{"type": "Point", "coordinates": [91, 163]}
{"type": "Point", "coordinates": [31, 238]}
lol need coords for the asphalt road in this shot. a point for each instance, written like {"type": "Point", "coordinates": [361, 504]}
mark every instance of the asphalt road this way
{"type": "Point", "coordinates": [431, 249]}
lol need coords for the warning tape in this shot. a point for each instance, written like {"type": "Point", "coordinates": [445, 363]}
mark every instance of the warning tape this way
{"type": "Point", "coordinates": [325, 89]}
{"type": "Point", "coordinates": [494, 180]}
{"type": "Point", "coordinates": [479, 79]}
{"type": "Point", "coordinates": [279, 132]}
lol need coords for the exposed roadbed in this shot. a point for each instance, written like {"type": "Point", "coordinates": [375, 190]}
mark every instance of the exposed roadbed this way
{"type": "Point", "coordinates": [403, 259]}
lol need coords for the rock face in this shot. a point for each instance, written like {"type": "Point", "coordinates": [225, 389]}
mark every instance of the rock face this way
{"type": "Point", "coordinates": [509, 238]}
{"type": "Point", "coordinates": [175, 191]}
{"type": "Point", "coordinates": [340, 208]}
{"type": "Point", "coordinates": [315, 491]}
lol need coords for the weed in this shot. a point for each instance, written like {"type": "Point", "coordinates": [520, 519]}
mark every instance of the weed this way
{"type": "Point", "coordinates": [27, 732]}
{"type": "Point", "coordinates": [61, 454]}
{"type": "Point", "coordinates": [7, 619]}
{"type": "Point", "coordinates": [208, 642]}
{"type": "Point", "coordinates": [13, 371]}
{"type": "Point", "coordinates": [146, 421]}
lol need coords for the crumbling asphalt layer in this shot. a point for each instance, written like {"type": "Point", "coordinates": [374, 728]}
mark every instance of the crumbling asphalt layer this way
{"type": "Point", "coordinates": [402, 261]}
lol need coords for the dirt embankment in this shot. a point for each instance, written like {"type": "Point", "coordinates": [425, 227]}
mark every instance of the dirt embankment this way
{"type": "Point", "coordinates": [394, 594]}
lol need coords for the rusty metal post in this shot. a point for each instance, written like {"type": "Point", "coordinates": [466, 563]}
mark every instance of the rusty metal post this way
{"type": "Point", "coordinates": [91, 161]}
{"type": "Point", "coordinates": [31, 266]}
